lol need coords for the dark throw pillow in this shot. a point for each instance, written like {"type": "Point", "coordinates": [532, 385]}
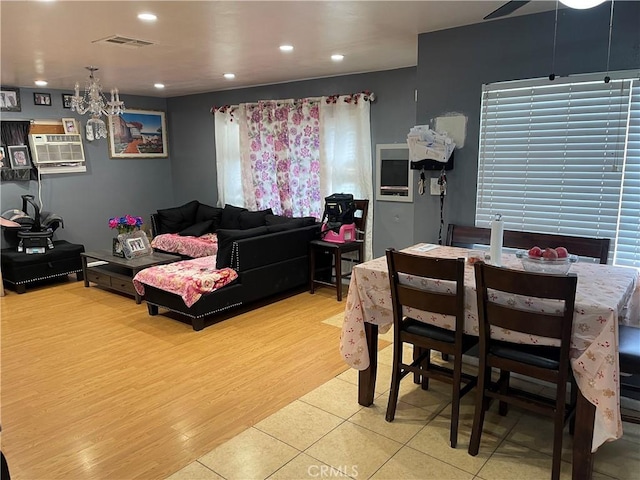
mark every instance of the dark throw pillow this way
{"type": "Point", "coordinates": [198, 229]}
{"type": "Point", "coordinates": [173, 220]}
{"type": "Point", "coordinates": [254, 219]}
{"type": "Point", "coordinates": [230, 219]}
{"type": "Point", "coordinates": [226, 238]}
{"type": "Point", "coordinates": [206, 212]}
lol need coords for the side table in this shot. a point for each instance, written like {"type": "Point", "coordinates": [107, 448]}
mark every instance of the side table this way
{"type": "Point", "coordinates": [117, 273]}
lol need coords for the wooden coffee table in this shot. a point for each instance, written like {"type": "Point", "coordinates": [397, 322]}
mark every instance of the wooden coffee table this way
{"type": "Point", "coordinates": [117, 273]}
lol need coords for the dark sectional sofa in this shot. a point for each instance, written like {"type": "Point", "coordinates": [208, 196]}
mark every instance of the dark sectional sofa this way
{"type": "Point", "coordinates": [271, 256]}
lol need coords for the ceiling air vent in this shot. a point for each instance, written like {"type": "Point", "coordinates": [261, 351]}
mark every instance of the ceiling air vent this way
{"type": "Point", "coordinates": [124, 41]}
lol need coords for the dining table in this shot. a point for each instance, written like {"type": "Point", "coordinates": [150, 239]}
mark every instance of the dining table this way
{"type": "Point", "coordinates": [606, 295]}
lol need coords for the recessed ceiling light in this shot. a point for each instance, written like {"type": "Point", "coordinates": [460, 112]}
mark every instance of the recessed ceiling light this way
{"type": "Point", "coordinates": [229, 76]}
{"type": "Point", "coordinates": [286, 48]}
{"type": "Point", "coordinates": [158, 85]}
{"type": "Point", "coordinates": [41, 83]}
{"type": "Point", "coordinates": [337, 57]}
{"type": "Point", "coordinates": [147, 17]}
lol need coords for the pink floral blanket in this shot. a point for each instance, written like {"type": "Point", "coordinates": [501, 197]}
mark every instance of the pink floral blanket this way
{"type": "Point", "coordinates": [194, 247]}
{"type": "Point", "coordinates": [187, 278]}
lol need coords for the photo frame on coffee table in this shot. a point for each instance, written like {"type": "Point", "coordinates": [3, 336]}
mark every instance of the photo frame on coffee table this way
{"type": "Point", "coordinates": [135, 244]}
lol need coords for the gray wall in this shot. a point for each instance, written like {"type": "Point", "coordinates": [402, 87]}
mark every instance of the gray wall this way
{"type": "Point", "coordinates": [392, 115]}
{"type": "Point", "coordinates": [110, 187]}
{"type": "Point", "coordinates": [453, 64]}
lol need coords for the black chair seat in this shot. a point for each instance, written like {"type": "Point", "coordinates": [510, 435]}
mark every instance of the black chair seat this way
{"type": "Point", "coordinates": [344, 247]}
{"type": "Point", "coordinates": [416, 327]}
{"type": "Point", "coordinates": [537, 356]}
{"type": "Point", "coordinates": [629, 349]}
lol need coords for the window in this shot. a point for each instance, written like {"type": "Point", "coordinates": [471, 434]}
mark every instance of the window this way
{"type": "Point", "coordinates": [564, 157]}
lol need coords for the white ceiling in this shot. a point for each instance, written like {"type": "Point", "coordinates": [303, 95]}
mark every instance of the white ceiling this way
{"type": "Point", "coordinates": [195, 42]}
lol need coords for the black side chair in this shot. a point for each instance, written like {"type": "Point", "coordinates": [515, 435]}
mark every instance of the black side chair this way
{"type": "Point", "coordinates": [629, 347]}
{"type": "Point", "coordinates": [546, 363]}
{"type": "Point", "coordinates": [424, 336]}
{"type": "Point", "coordinates": [337, 251]}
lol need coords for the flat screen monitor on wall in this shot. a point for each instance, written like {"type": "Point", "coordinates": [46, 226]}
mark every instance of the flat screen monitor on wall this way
{"type": "Point", "coordinates": [394, 177]}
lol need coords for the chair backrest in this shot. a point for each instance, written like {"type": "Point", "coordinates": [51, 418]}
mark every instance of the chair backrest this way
{"type": "Point", "coordinates": [360, 218]}
{"type": "Point", "coordinates": [463, 236]}
{"type": "Point", "coordinates": [403, 294]}
{"type": "Point", "coordinates": [511, 316]}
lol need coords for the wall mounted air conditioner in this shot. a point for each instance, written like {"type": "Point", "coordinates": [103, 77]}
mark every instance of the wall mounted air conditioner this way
{"type": "Point", "coordinates": [57, 153]}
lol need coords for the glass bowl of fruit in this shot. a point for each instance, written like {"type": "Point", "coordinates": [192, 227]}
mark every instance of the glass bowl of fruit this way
{"type": "Point", "coordinates": [548, 260]}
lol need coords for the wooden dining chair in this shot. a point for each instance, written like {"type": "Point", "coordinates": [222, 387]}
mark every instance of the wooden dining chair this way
{"type": "Point", "coordinates": [546, 363]}
{"type": "Point", "coordinates": [629, 348]}
{"type": "Point", "coordinates": [336, 253]}
{"type": "Point", "coordinates": [425, 336]}
{"type": "Point", "coordinates": [468, 237]}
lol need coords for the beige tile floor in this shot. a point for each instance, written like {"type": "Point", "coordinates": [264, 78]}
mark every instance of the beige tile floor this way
{"type": "Point", "coordinates": [326, 434]}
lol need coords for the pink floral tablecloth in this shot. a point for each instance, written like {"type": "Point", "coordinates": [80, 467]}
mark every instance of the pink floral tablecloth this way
{"type": "Point", "coordinates": [606, 295]}
{"type": "Point", "coordinates": [187, 278]}
{"type": "Point", "coordinates": [194, 247]}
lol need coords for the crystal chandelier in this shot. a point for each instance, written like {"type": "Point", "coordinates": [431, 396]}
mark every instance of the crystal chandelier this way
{"type": "Point", "coordinates": [94, 102]}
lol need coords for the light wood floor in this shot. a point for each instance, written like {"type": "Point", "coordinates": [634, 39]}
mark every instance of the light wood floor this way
{"type": "Point", "coordinates": [95, 388]}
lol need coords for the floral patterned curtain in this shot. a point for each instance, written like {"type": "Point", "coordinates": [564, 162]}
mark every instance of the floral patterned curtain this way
{"type": "Point", "coordinates": [283, 156]}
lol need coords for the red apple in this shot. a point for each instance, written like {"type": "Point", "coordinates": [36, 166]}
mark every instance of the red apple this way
{"type": "Point", "coordinates": [562, 252]}
{"type": "Point", "coordinates": [535, 252]}
{"type": "Point", "coordinates": [549, 253]}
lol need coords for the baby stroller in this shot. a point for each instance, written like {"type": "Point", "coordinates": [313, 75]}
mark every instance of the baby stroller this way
{"type": "Point", "coordinates": [30, 234]}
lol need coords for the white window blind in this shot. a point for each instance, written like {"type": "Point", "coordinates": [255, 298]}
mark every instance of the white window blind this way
{"type": "Point", "coordinates": [627, 250]}
{"type": "Point", "coordinates": [552, 157]}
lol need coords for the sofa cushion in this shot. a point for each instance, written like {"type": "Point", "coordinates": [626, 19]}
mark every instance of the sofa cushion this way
{"type": "Point", "coordinates": [206, 212]}
{"type": "Point", "coordinates": [173, 220]}
{"type": "Point", "coordinates": [198, 229]}
{"type": "Point", "coordinates": [226, 237]}
{"type": "Point", "coordinates": [254, 219]}
{"type": "Point", "coordinates": [230, 219]}
{"type": "Point", "coordinates": [290, 225]}
{"type": "Point", "coordinates": [279, 219]}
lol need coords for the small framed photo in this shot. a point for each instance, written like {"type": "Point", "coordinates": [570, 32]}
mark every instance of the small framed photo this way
{"type": "Point", "coordinates": [135, 244]}
{"type": "Point", "coordinates": [70, 125]}
{"type": "Point", "coordinates": [42, 99]}
{"type": "Point", "coordinates": [19, 157]}
{"type": "Point", "coordinates": [10, 99]}
{"type": "Point", "coordinates": [4, 160]}
{"type": "Point", "coordinates": [66, 100]}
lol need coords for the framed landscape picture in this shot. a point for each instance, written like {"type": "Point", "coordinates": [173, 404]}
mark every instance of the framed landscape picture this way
{"type": "Point", "coordinates": [138, 134]}
{"type": "Point", "coordinates": [10, 99]}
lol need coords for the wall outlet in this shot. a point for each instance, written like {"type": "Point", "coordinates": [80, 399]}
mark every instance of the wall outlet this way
{"type": "Point", "coordinates": [435, 187]}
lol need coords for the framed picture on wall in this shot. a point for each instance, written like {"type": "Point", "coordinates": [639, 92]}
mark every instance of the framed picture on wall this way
{"type": "Point", "coordinates": [66, 100]}
{"type": "Point", "coordinates": [70, 125]}
{"type": "Point", "coordinates": [138, 134]}
{"type": "Point", "coordinates": [4, 160]}
{"type": "Point", "coordinates": [19, 157]}
{"type": "Point", "coordinates": [42, 99]}
{"type": "Point", "coordinates": [10, 99]}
